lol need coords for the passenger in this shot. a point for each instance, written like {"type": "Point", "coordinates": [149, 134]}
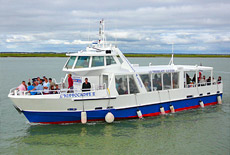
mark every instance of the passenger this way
{"type": "Point", "coordinates": [44, 77]}
{"type": "Point", "coordinates": [22, 87]}
{"type": "Point", "coordinates": [57, 89]}
{"type": "Point", "coordinates": [70, 81]}
{"type": "Point", "coordinates": [86, 85]}
{"type": "Point", "coordinates": [39, 87]}
{"type": "Point", "coordinates": [120, 91]}
{"type": "Point", "coordinates": [219, 80]}
{"type": "Point", "coordinates": [51, 82]}
{"type": "Point", "coordinates": [209, 80]}
{"type": "Point", "coordinates": [203, 81]}
{"type": "Point", "coordinates": [33, 92]}
{"type": "Point", "coordinates": [46, 86]}
{"type": "Point", "coordinates": [30, 88]}
{"type": "Point", "coordinates": [52, 90]}
{"type": "Point", "coordinates": [147, 87]}
{"type": "Point", "coordinates": [190, 84]}
{"type": "Point", "coordinates": [38, 79]}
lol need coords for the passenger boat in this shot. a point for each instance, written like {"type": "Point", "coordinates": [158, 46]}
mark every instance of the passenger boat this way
{"type": "Point", "coordinates": [119, 89]}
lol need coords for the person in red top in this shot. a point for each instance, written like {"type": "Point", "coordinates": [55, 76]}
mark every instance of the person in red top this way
{"type": "Point", "coordinates": [70, 81]}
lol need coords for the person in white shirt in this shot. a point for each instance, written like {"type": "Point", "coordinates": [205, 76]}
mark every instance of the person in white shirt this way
{"type": "Point", "coordinates": [46, 86]}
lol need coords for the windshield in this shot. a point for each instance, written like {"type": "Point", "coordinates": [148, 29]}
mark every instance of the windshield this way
{"type": "Point", "coordinates": [70, 62]}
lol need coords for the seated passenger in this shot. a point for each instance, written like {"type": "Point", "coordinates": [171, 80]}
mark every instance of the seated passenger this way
{"type": "Point", "coordinates": [147, 86]}
{"type": "Point", "coordinates": [203, 81]}
{"type": "Point", "coordinates": [30, 88]}
{"type": "Point", "coordinates": [190, 84]}
{"type": "Point", "coordinates": [39, 87]}
{"type": "Point", "coordinates": [52, 90]}
{"type": "Point", "coordinates": [86, 85]}
{"type": "Point", "coordinates": [209, 80]}
{"type": "Point", "coordinates": [219, 80]}
{"type": "Point", "coordinates": [36, 88]}
{"type": "Point", "coordinates": [57, 89]}
{"type": "Point", "coordinates": [120, 91]}
{"type": "Point", "coordinates": [22, 86]}
{"type": "Point", "coordinates": [33, 92]}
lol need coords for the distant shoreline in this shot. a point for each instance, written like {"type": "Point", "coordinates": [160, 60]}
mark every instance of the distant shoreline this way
{"type": "Point", "coordinates": [126, 54]}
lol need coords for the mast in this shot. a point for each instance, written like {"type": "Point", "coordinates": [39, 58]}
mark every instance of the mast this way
{"type": "Point", "coordinates": [171, 61]}
{"type": "Point", "coordinates": [102, 33]}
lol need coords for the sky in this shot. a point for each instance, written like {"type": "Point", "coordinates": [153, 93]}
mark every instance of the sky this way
{"type": "Point", "coordinates": [135, 26]}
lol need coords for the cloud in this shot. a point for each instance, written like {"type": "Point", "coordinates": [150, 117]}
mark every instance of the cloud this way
{"type": "Point", "coordinates": [136, 25]}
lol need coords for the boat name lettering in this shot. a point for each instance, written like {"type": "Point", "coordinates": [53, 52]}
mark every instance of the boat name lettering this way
{"type": "Point", "coordinates": [162, 71]}
{"type": "Point", "coordinates": [69, 95]}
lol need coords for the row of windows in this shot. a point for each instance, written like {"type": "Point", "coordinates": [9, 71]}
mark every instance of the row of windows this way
{"type": "Point", "coordinates": [160, 81]}
{"type": "Point", "coordinates": [125, 84]}
{"type": "Point", "coordinates": [84, 61]}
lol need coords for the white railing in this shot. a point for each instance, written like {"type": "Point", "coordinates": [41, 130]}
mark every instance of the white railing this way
{"type": "Point", "coordinates": [94, 88]}
{"type": "Point", "coordinates": [202, 84]}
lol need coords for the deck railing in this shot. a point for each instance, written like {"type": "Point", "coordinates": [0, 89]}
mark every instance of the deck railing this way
{"type": "Point", "coordinates": [94, 88]}
{"type": "Point", "coordinates": [202, 84]}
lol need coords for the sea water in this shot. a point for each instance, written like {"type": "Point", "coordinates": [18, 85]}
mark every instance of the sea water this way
{"type": "Point", "coordinates": [197, 131]}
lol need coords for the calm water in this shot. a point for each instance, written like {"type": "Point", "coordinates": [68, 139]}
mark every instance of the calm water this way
{"type": "Point", "coordinates": [198, 131]}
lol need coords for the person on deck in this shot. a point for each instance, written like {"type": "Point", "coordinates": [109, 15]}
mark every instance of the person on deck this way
{"type": "Point", "coordinates": [51, 82]}
{"type": "Point", "coordinates": [57, 89]}
{"type": "Point", "coordinates": [70, 81]}
{"type": "Point", "coordinates": [39, 87]}
{"type": "Point", "coordinates": [22, 87]}
{"type": "Point", "coordinates": [46, 86]}
{"type": "Point", "coordinates": [86, 85]}
{"type": "Point", "coordinates": [219, 80]}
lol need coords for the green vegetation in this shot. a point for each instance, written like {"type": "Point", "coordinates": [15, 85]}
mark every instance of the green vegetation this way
{"type": "Point", "coordinates": [179, 55]}
{"type": "Point", "coordinates": [32, 55]}
{"type": "Point", "coordinates": [127, 55]}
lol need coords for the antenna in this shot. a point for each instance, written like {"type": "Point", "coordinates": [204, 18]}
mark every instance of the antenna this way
{"type": "Point", "coordinates": [89, 31]}
{"type": "Point", "coordinates": [171, 61]}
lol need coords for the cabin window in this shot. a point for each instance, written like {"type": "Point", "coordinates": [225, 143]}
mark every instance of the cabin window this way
{"type": "Point", "coordinates": [98, 61]}
{"type": "Point", "coordinates": [146, 81]}
{"type": "Point", "coordinates": [175, 77]}
{"type": "Point", "coordinates": [121, 84]}
{"type": "Point", "coordinates": [167, 81]}
{"type": "Point", "coordinates": [70, 62]}
{"type": "Point", "coordinates": [132, 85]}
{"type": "Point", "coordinates": [110, 60]}
{"type": "Point", "coordinates": [82, 62]}
{"type": "Point", "coordinates": [157, 82]}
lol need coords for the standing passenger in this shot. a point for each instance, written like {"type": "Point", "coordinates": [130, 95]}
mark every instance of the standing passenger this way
{"type": "Point", "coordinates": [51, 82]}
{"type": "Point", "coordinates": [46, 86]}
{"type": "Point", "coordinates": [22, 87]}
{"type": "Point", "coordinates": [70, 81]}
{"type": "Point", "coordinates": [86, 85]}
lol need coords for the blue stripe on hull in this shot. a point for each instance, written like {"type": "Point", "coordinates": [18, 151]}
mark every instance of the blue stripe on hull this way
{"type": "Point", "coordinates": [149, 110]}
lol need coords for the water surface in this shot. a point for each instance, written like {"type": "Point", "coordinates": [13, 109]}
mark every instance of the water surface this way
{"type": "Point", "coordinates": [197, 131]}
